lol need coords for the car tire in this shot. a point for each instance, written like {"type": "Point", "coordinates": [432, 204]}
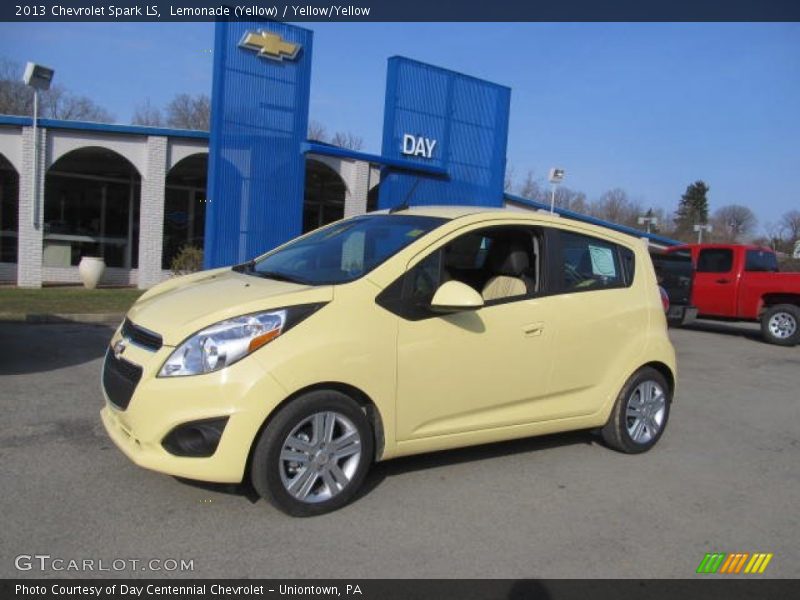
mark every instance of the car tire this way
{"type": "Point", "coordinates": [640, 413]}
{"type": "Point", "coordinates": [313, 456]}
{"type": "Point", "coordinates": [780, 324]}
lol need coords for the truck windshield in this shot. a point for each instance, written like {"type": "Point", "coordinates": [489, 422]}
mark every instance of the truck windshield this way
{"type": "Point", "coordinates": [343, 252]}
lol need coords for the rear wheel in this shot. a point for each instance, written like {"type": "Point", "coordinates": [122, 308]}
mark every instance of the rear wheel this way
{"type": "Point", "coordinates": [313, 456]}
{"type": "Point", "coordinates": [640, 413]}
{"type": "Point", "coordinates": [780, 324]}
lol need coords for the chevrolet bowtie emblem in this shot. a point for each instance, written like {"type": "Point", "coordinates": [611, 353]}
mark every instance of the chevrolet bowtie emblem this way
{"type": "Point", "coordinates": [269, 45]}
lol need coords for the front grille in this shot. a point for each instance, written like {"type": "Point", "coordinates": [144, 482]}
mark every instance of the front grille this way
{"type": "Point", "coordinates": [120, 379]}
{"type": "Point", "coordinates": [141, 336]}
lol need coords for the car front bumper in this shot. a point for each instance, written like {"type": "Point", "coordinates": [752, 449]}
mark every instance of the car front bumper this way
{"type": "Point", "coordinates": [244, 393]}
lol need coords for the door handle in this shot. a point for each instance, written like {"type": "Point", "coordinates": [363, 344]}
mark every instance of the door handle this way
{"type": "Point", "coordinates": [723, 281]}
{"type": "Point", "coordinates": [533, 329]}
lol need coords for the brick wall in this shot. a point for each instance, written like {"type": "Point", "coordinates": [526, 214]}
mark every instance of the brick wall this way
{"type": "Point", "coordinates": [151, 213]}
{"type": "Point", "coordinates": [29, 252]}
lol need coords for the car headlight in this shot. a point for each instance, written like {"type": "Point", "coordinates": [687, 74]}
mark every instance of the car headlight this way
{"type": "Point", "coordinates": [223, 343]}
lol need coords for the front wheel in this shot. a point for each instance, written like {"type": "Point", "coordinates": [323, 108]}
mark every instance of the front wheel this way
{"type": "Point", "coordinates": [779, 325]}
{"type": "Point", "coordinates": [314, 455]}
{"type": "Point", "coordinates": [640, 413]}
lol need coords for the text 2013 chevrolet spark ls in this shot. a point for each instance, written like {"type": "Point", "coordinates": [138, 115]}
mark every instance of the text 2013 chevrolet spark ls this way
{"type": "Point", "coordinates": [387, 335]}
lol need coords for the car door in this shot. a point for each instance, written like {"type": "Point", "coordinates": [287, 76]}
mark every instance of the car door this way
{"type": "Point", "coordinates": [715, 283]}
{"type": "Point", "coordinates": [471, 370]}
{"type": "Point", "coordinates": [602, 321]}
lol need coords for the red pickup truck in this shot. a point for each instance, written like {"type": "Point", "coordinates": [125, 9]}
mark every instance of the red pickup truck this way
{"type": "Point", "coordinates": [737, 282]}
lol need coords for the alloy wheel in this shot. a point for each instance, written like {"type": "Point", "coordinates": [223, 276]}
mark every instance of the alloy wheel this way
{"type": "Point", "coordinates": [645, 412]}
{"type": "Point", "coordinates": [320, 456]}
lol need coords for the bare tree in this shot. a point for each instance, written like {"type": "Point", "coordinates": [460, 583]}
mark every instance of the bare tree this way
{"type": "Point", "coordinates": [59, 103]}
{"type": "Point", "coordinates": [569, 199]}
{"type": "Point", "coordinates": [508, 179]}
{"type": "Point", "coordinates": [531, 188]}
{"type": "Point", "coordinates": [16, 98]}
{"type": "Point", "coordinates": [346, 139]}
{"type": "Point", "coordinates": [733, 223]}
{"type": "Point", "coordinates": [317, 131]}
{"type": "Point", "coordinates": [773, 236]}
{"type": "Point", "coordinates": [146, 113]}
{"type": "Point", "coordinates": [791, 223]}
{"type": "Point", "coordinates": [615, 206]}
{"type": "Point", "coordinates": [189, 112]}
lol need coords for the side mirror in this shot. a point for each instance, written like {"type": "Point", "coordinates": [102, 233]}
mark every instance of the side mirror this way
{"type": "Point", "coordinates": [454, 296]}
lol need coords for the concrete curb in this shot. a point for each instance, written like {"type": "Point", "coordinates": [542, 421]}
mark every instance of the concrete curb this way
{"type": "Point", "coordinates": [55, 318]}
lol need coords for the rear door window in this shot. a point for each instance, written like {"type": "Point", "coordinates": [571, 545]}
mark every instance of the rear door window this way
{"type": "Point", "coordinates": [761, 260]}
{"type": "Point", "coordinates": [589, 263]}
{"type": "Point", "coordinates": [715, 260]}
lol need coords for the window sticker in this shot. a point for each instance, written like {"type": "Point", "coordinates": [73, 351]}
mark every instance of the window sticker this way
{"type": "Point", "coordinates": [602, 261]}
{"type": "Point", "coordinates": [353, 252]}
{"type": "Point", "coordinates": [414, 233]}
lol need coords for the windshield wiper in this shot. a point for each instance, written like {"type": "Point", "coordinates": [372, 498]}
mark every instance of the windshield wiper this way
{"type": "Point", "coordinates": [279, 277]}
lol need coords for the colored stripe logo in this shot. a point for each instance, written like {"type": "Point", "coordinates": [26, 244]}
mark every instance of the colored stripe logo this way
{"type": "Point", "coordinates": [734, 563]}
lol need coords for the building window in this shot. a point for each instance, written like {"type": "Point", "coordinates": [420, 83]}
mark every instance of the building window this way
{"type": "Point", "coordinates": [9, 211]}
{"type": "Point", "coordinates": [324, 196]}
{"type": "Point", "coordinates": [185, 207]}
{"type": "Point", "coordinates": [91, 208]}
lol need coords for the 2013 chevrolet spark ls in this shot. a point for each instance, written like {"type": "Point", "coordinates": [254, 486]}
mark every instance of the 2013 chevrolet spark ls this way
{"type": "Point", "coordinates": [386, 335]}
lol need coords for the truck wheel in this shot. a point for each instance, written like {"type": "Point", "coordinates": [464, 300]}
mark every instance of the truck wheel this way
{"type": "Point", "coordinates": [780, 325]}
{"type": "Point", "coordinates": [313, 456]}
{"type": "Point", "coordinates": [640, 414]}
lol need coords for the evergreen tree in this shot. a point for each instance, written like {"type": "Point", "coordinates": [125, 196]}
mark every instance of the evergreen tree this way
{"type": "Point", "coordinates": [693, 207]}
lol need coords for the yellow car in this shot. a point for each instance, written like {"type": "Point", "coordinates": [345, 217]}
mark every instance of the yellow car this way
{"type": "Point", "coordinates": [386, 335]}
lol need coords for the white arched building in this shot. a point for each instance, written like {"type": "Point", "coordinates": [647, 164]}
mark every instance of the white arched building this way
{"type": "Point", "coordinates": [134, 195]}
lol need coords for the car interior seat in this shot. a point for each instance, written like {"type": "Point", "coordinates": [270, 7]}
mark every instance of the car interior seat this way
{"type": "Point", "coordinates": [509, 262]}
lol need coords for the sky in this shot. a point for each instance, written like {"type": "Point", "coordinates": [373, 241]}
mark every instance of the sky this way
{"type": "Point", "coordinates": [645, 107]}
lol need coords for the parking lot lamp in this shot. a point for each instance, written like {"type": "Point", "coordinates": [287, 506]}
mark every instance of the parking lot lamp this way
{"type": "Point", "coordinates": [556, 176]}
{"type": "Point", "coordinates": [700, 228]}
{"type": "Point", "coordinates": [39, 78]}
{"type": "Point", "coordinates": [649, 221]}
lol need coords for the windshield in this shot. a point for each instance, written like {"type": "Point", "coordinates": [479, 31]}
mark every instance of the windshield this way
{"type": "Point", "coordinates": [345, 251]}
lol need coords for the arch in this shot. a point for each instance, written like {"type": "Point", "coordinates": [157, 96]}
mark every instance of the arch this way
{"type": "Point", "coordinates": [185, 206]}
{"type": "Point", "coordinates": [61, 143]}
{"type": "Point", "coordinates": [325, 194]}
{"type": "Point", "coordinates": [341, 166]}
{"type": "Point", "coordinates": [91, 208]}
{"type": "Point", "coordinates": [179, 149]}
{"type": "Point", "coordinates": [9, 211]}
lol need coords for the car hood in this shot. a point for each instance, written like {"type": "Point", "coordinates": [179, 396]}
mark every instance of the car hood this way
{"type": "Point", "coordinates": [180, 307]}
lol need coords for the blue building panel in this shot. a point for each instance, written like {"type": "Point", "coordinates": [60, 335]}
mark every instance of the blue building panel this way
{"type": "Point", "coordinates": [463, 120]}
{"type": "Point", "coordinates": [259, 120]}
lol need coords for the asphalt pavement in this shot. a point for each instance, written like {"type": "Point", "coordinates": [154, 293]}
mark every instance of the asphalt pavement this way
{"type": "Point", "coordinates": [724, 477]}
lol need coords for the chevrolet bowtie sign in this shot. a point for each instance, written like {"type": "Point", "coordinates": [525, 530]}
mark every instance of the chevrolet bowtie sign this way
{"type": "Point", "coordinates": [269, 45]}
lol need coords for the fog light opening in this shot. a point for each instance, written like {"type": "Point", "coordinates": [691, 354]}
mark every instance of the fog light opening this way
{"type": "Point", "coordinates": [195, 439]}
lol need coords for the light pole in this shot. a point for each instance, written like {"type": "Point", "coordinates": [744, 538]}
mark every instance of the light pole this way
{"type": "Point", "coordinates": [39, 78]}
{"type": "Point", "coordinates": [650, 221]}
{"type": "Point", "coordinates": [556, 176]}
{"type": "Point", "coordinates": [699, 228]}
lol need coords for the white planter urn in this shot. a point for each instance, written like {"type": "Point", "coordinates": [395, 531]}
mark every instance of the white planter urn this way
{"type": "Point", "coordinates": [91, 269]}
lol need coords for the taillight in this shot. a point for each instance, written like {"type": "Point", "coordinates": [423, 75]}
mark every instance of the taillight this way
{"type": "Point", "coordinates": [664, 299]}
